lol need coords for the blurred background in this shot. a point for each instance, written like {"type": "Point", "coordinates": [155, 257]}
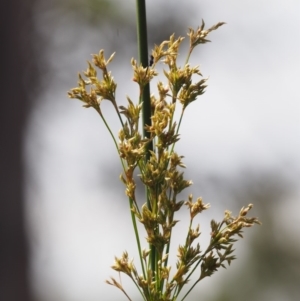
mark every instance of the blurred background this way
{"type": "Point", "coordinates": [64, 214]}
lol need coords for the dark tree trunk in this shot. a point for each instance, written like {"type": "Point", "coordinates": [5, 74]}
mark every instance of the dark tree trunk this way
{"type": "Point", "coordinates": [15, 71]}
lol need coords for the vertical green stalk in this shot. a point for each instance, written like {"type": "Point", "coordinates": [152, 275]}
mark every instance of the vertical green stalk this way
{"type": "Point", "coordinates": [143, 59]}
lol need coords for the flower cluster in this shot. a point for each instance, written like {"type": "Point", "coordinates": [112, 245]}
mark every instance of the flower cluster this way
{"type": "Point", "coordinates": [160, 171]}
{"type": "Point", "coordinates": [99, 89]}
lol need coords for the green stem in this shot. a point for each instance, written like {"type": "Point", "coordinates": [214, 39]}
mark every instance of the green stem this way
{"type": "Point", "coordinates": [119, 115]}
{"type": "Point", "coordinates": [113, 137]}
{"type": "Point", "coordinates": [210, 247]}
{"type": "Point", "coordinates": [143, 58]}
{"type": "Point", "coordinates": [190, 289]}
{"type": "Point", "coordinates": [189, 54]}
{"type": "Point", "coordinates": [136, 232]}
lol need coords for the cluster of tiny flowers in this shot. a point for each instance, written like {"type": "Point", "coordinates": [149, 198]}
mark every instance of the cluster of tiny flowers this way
{"type": "Point", "coordinates": [161, 171]}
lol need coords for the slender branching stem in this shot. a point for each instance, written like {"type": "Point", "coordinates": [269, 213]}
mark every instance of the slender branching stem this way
{"type": "Point", "coordinates": [113, 137]}
{"type": "Point", "coordinates": [136, 232]}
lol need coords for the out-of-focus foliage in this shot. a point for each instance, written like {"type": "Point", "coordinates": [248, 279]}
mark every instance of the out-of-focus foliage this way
{"type": "Point", "coordinates": [94, 11]}
{"type": "Point", "coordinates": [120, 16]}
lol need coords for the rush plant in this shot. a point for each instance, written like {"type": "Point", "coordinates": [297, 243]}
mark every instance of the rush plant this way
{"type": "Point", "coordinates": [147, 141]}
